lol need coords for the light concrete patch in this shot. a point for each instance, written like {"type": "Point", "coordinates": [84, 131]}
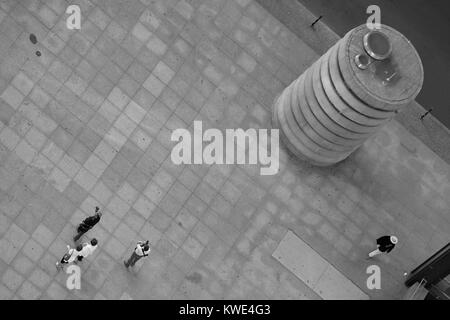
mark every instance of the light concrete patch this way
{"type": "Point", "coordinates": [298, 257]}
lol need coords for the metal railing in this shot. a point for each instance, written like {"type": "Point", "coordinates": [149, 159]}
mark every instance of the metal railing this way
{"type": "Point", "coordinates": [418, 289]}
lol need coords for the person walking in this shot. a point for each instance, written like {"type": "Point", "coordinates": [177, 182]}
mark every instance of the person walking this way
{"type": "Point", "coordinates": [69, 257]}
{"type": "Point", "coordinates": [384, 244]}
{"type": "Point", "coordinates": [87, 224]}
{"type": "Point", "coordinates": [142, 250]}
{"type": "Point", "coordinates": [87, 249]}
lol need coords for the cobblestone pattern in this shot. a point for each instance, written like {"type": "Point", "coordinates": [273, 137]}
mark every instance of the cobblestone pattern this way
{"type": "Point", "coordinates": [89, 121]}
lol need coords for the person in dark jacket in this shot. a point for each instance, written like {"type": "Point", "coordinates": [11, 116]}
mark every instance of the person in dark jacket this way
{"type": "Point", "coordinates": [88, 223]}
{"type": "Point", "coordinates": [384, 244]}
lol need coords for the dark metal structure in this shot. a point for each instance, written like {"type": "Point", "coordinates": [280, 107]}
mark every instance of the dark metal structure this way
{"type": "Point", "coordinates": [435, 273]}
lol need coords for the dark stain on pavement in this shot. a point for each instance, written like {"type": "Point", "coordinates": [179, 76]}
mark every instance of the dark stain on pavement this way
{"type": "Point", "coordinates": [33, 38]}
{"type": "Point", "coordinates": [194, 277]}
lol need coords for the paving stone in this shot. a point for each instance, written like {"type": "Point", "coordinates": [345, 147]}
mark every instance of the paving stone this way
{"type": "Point", "coordinates": [33, 250]}
{"type": "Point", "coordinates": [35, 138]}
{"type": "Point", "coordinates": [205, 192]}
{"type": "Point", "coordinates": [13, 241]}
{"type": "Point", "coordinates": [25, 151]}
{"type": "Point", "coordinates": [141, 32]}
{"type": "Point", "coordinates": [23, 83]}
{"type": "Point", "coordinates": [183, 261]}
{"type": "Point", "coordinates": [352, 231]}
{"type": "Point", "coordinates": [196, 206]}
{"type": "Point", "coordinates": [112, 179]}
{"type": "Point", "coordinates": [166, 247]}
{"type": "Point", "coordinates": [129, 85]}
{"type": "Point", "coordinates": [56, 292]}
{"type": "Point", "coordinates": [128, 193]}
{"type": "Point", "coordinates": [59, 179]}
{"type": "Point", "coordinates": [33, 70]}
{"type": "Point", "coordinates": [28, 291]}
{"type": "Point", "coordinates": [89, 138]}
{"type": "Point", "coordinates": [95, 165]}
{"type": "Point", "coordinates": [343, 245]}
{"type": "Point", "coordinates": [6, 114]}
{"type": "Point", "coordinates": [69, 166]}
{"type": "Point", "coordinates": [12, 96]}
{"type": "Point", "coordinates": [202, 233]}
{"type": "Point", "coordinates": [311, 218]}
{"type": "Point", "coordinates": [124, 160]}
{"type": "Point", "coordinates": [163, 179]}
{"type": "Point", "coordinates": [99, 17]}
{"type": "Point", "coordinates": [102, 84]}
{"type": "Point", "coordinates": [124, 234]}
{"type": "Point", "coordinates": [160, 220]}
{"type": "Point", "coordinates": [154, 192]}
{"type": "Point", "coordinates": [176, 234]}
{"type": "Point", "coordinates": [172, 100]}
{"type": "Point", "coordinates": [116, 32]}
{"type": "Point", "coordinates": [150, 233]}
{"type": "Point", "coordinates": [60, 70]}
{"type": "Point", "coordinates": [98, 271]}
{"type": "Point", "coordinates": [135, 112]}
{"type": "Point", "coordinates": [79, 152]}
{"type": "Point", "coordinates": [22, 264]}
{"type": "Point", "coordinates": [125, 125]}
{"type": "Point", "coordinates": [156, 45]}
{"type": "Point", "coordinates": [345, 204]}
{"type": "Point", "coordinates": [193, 247]}
{"type": "Point", "coordinates": [101, 193]}
{"type": "Point", "coordinates": [77, 84]}
{"type": "Point", "coordinates": [134, 220]}
{"type": "Point", "coordinates": [154, 85]}
{"type": "Point", "coordinates": [109, 112]}
{"type": "Point", "coordinates": [186, 220]}
{"type": "Point", "coordinates": [9, 138]}
{"type": "Point", "coordinates": [137, 179]}
{"type": "Point", "coordinates": [47, 16]}
{"type": "Point", "coordinates": [5, 222]}
{"type": "Point", "coordinates": [189, 179]}
{"type": "Point", "coordinates": [43, 235]}
{"type": "Point", "coordinates": [359, 217]}
{"type": "Point", "coordinates": [7, 180]}
{"type": "Point", "coordinates": [328, 232]}
{"type": "Point", "coordinates": [91, 100]}
{"type": "Point", "coordinates": [5, 293]}
{"type": "Point", "coordinates": [99, 124]}
{"type": "Point", "coordinates": [141, 139]}
{"type": "Point", "coordinates": [85, 179]}
{"type": "Point", "coordinates": [12, 279]}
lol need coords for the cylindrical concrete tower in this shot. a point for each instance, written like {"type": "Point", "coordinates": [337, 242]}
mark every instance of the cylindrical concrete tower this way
{"type": "Point", "coordinates": [348, 94]}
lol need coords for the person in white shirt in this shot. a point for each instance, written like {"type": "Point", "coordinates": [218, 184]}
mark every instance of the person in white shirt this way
{"type": "Point", "coordinates": [142, 250]}
{"type": "Point", "coordinates": [69, 257]}
{"type": "Point", "coordinates": [88, 249]}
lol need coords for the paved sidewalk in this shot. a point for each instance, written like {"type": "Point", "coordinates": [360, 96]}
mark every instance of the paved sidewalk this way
{"type": "Point", "coordinates": [88, 123]}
